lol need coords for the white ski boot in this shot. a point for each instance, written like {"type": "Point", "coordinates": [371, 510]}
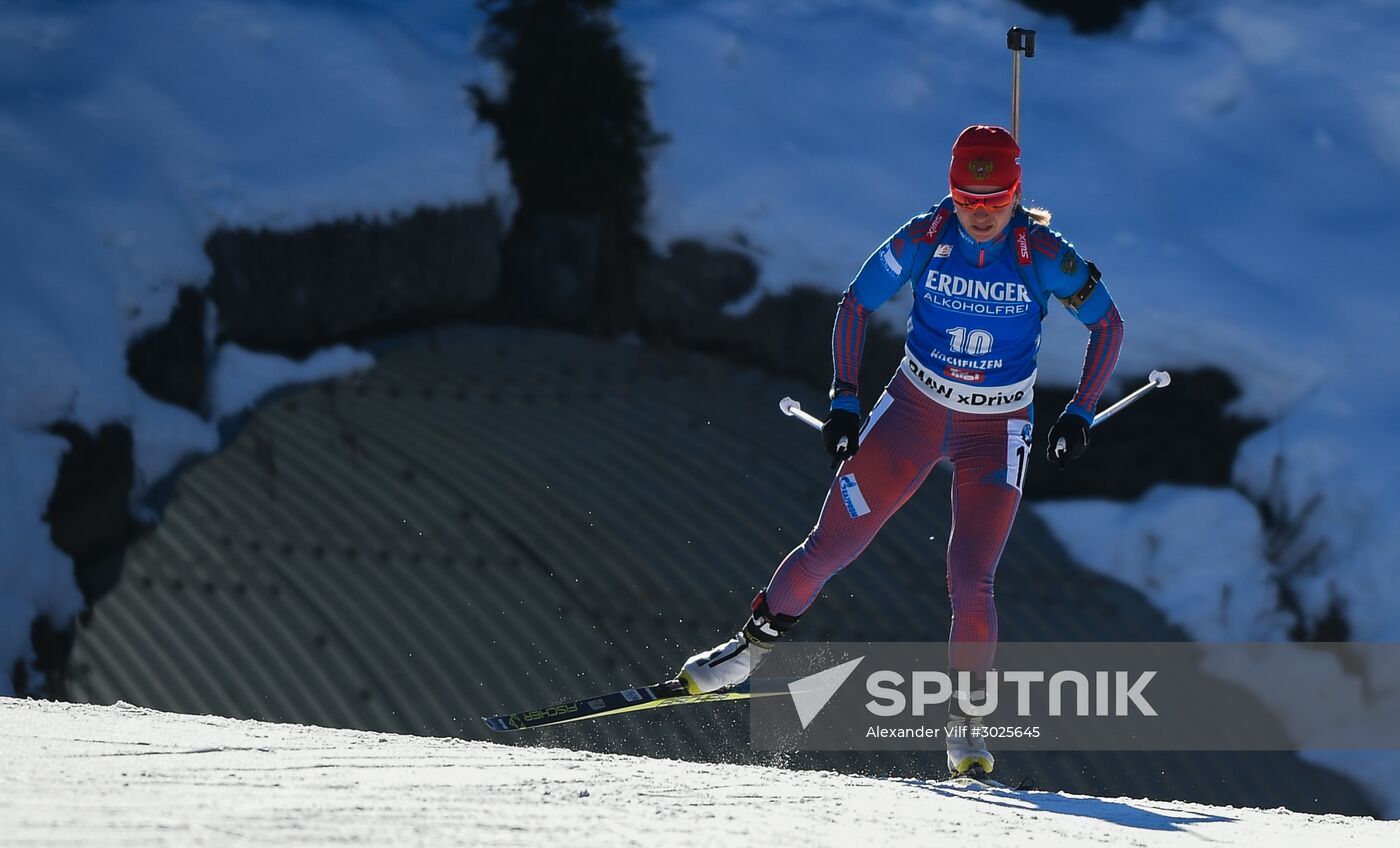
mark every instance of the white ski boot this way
{"type": "Point", "coordinates": [967, 741]}
{"type": "Point", "coordinates": [967, 747]}
{"type": "Point", "coordinates": [731, 663]}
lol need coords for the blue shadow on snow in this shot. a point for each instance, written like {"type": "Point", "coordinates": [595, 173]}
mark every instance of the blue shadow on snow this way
{"type": "Point", "coordinates": [1114, 812]}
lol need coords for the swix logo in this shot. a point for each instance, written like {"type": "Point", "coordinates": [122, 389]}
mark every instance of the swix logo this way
{"type": "Point", "coordinates": [1023, 246]}
{"type": "Point", "coordinates": [964, 375]}
{"type": "Point", "coordinates": [939, 220]}
{"type": "Point", "coordinates": [929, 234]}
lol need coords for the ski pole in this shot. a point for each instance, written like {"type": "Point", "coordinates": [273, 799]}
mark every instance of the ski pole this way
{"type": "Point", "coordinates": [793, 408]}
{"type": "Point", "coordinates": [1018, 41]}
{"type": "Point", "coordinates": [1155, 380]}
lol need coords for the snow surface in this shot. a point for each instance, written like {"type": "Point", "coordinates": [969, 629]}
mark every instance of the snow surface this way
{"type": "Point", "coordinates": [1174, 544]}
{"type": "Point", "coordinates": [123, 775]}
{"type": "Point", "coordinates": [240, 377]}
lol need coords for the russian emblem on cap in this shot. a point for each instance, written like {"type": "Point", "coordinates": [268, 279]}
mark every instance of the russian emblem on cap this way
{"type": "Point", "coordinates": [980, 168]}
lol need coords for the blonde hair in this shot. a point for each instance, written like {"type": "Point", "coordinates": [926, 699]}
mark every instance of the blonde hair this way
{"type": "Point", "coordinates": [1038, 215]}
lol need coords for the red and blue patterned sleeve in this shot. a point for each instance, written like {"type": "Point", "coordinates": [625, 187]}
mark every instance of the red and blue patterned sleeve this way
{"type": "Point", "coordinates": [847, 345]}
{"type": "Point", "coordinates": [887, 269]}
{"type": "Point", "coordinates": [1076, 283]}
{"type": "Point", "coordinates": [1105, 341]}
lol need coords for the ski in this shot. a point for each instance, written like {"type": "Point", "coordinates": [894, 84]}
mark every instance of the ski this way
{"type": "Point", "coordinates": [668, 694]}
{"type": "Point", "coordinates": [963, 781]}
{"type": "Point", "coordinates": [976, 778]}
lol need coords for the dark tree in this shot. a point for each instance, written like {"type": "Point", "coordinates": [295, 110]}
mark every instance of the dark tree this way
{"type": "Point", "coordinates": [573, 129]}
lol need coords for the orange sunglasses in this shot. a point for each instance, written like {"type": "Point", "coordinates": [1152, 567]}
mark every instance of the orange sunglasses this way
{"type": "Point", "coordinates": [996, 200]}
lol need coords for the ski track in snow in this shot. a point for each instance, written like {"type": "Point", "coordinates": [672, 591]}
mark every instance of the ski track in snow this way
{"type": "Point", "coordinates": [123, 775]}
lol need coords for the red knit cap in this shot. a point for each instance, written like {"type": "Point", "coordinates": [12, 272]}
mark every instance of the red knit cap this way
{"type": "Point", "coordinates": [985, 155]}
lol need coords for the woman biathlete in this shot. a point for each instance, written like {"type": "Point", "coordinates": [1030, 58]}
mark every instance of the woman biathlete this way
{"type": "Point", "coordinates": [983, 270]}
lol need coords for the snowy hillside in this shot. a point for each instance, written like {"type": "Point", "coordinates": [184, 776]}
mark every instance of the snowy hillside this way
{"type": "Point", "coordinates": [128, 132]}
{"type": "Point", "coordinates": [121, 775]}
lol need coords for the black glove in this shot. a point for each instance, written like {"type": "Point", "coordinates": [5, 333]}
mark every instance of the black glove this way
{"type": "Point", "coordinates": [841, 424]}
{"type": "Point", "coordinates": [1074, 430]}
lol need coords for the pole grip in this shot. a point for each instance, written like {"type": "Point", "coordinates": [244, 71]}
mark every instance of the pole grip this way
{"type": "Point", "coordinates": [1021, 41]}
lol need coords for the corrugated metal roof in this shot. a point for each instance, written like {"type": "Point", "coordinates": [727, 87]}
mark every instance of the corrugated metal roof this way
{"type": "Point", "coordinates": [492, 518]}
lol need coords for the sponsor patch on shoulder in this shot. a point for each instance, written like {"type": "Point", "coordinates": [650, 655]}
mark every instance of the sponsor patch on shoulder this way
{"type": "Point", "coordinates": [850, 494]}
{"type": "Point", "coordinates": [1070, 263]}
{"type": "Point", "coordinates": [891, 264]}
{"type": "Point", "coordinates": [943, 250]}
{"type": "Point", "coordinates": [964, 375]}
